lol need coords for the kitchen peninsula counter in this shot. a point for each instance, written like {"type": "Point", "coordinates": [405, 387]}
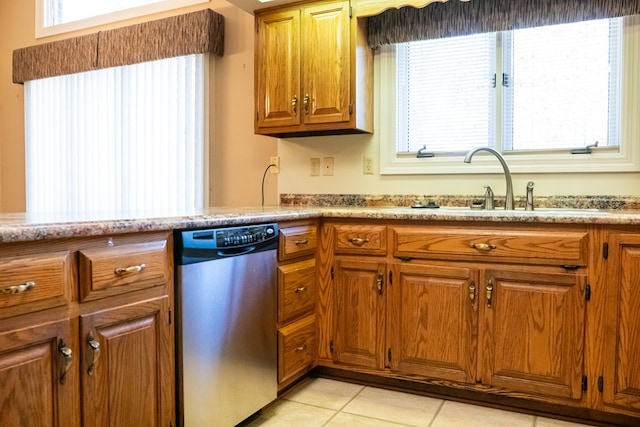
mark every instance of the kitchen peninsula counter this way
{"type": "Point", "coordinates": [16, 227]}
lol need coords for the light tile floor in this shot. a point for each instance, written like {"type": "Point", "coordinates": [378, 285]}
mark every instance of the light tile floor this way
{"type": "Point", "coordinates": [329, 403]}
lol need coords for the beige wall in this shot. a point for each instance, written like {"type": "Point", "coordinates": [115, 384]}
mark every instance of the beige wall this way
{"type": "Point", "coordinates": [238, 157]}
{"type": "Point", "coordinates": [348, 152]}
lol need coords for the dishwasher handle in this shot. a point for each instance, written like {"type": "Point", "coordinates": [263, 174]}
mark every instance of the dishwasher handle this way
{"type": "Point", "coordinates": [236, 252]}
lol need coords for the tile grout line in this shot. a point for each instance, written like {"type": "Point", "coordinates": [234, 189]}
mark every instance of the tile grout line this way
{"type": "Point", "coordinates": [343, 406]}
{"type": "Point", "coordinates": [433, 420]}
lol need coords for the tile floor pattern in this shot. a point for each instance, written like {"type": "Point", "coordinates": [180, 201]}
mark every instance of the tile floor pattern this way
{"type": "Point", "coordinates": [329, 403]}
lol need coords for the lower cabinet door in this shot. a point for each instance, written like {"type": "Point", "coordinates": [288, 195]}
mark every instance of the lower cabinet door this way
{"type": "Point", "coordinates": [360, 295]}
{"type": "Point", "coordinates": [128, 366]}
{"type": "Point", "coordinates": [433, 321]}
{"type": "Point", "coordinates": [621, 376]}
{"type": "Point", "coordinates": [38, 376]}
{"type": "Point", "coordinates": [534, 328]}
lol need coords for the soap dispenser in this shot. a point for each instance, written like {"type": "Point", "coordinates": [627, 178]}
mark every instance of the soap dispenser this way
{"type": "Point", "coordinates": [488, 198]}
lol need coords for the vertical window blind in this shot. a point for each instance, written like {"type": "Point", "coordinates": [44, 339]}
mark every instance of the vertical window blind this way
{"type": "Point", "coordinates": [118, 139]}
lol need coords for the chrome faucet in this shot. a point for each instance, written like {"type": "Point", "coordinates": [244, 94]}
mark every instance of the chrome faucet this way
{"type": "Point", "coordinates": [507, 174]}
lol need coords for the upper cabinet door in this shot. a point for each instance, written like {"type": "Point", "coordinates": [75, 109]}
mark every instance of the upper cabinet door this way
{"type": "Point", "coordinates": [326, 69]}
{"type": "Point", "coordinates": [278, 69]}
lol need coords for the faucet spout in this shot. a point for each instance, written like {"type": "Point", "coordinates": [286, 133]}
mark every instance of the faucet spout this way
{"type": "Point", "coordinates": [507, 174]}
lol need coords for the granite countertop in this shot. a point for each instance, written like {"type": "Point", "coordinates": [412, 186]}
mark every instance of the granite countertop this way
{"type": "Point", "coordinates": [27, 227]}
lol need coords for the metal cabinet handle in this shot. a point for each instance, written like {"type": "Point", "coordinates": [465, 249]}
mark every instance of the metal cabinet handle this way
{"type": "Point", "coordinates": [472, 292]}
{"type": "Point", "coordinates": [379, 283]}
{"type": "Point", "coordinates": [66, 357]}
{"type": "Point", "coordinates": [302, 347]}
{"type": "Point", "coordinates": [301, 242]}
{"type": "Point", "coordinates": [17, 289]}
{"type": "Point", "coordinates": [121, 271]}
{"type": "Point", "coordinates": [305, 102]}
{"type": "Point", "coordinates": [94, 347]}
{"type": "Point", "coordinates": [489, 290]}
{"type": "Point", "coordinates": [294, 104]}
{"type": "Point", "coordinates": [358, 241]}
{"type": "Point", "coordinates": [301, 289]}
{"type": "Point", "coordinates": [482, 246]}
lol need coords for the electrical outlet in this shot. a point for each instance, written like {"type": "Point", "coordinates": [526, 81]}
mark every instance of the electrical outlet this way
{"type": "Point", "coordinates": [276, 162]}
{"type": "Point", "coordinates": [315, 166]}
{"type": "Point", "coordinates": [367, 165]}
{"type": "Point", "coordinates": [327, 168]}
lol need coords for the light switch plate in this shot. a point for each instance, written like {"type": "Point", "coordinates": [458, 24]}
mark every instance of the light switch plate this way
{"type": "Point", "coordinates": [327, 166]}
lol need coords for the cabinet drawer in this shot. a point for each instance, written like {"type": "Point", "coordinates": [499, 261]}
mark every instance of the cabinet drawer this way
{"type": "Point", "coordinates": [360, 239]}
{"type": "Point", "coordinates": [37, 281]}
{"type": "Point", "coordinates": [296, 289]}
{"type": "Point", "coordinates": [113, 270]}
{"type": "Point", "coordinates": [297, 241]}
{"type": "Point", "coordinates": [296, 348]}
{"type": "Point", "coordinates": [555, 247]}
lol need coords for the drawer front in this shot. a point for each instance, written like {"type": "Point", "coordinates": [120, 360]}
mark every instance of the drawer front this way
{"type": "Point", "coordinates": [360, 239]}
{"type": "Point", "coordinates": [297, 241]}
{"type": "Point", "coordinates": [39, 280]}
{"type": "Point", "coordinates": [113, 270]}
{"type": "Point", "coordinates": [296, 348]}
{"type": "Point", "coordinates": [549, 247]}
{"type": "Point", "coordinates": [296, 289]}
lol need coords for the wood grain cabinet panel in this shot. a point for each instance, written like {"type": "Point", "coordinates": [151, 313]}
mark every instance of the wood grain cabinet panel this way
{"type": "Point", "coordinates": [432, 325]}
{"type": "Point", "coordinates": [296, 242]}
{"type": "Point", "coordinates": [127, 377]}
{"type": "Point", "coordinates": [111, 270]}
{"type": "Point", "coordinates": [534, 332]}
{"type": "Point", "coordinates": [297, 344]}
{"type": "Point", "coordinates": [296, 289]}
{"type": "Point", "coordinates": [360, 239]}
{"type": "Point", "coordinates": [360, 300]}
{"type": "Point", "coordinates": [38, 383]}
{"type": "Point", "coordinates": [621, 376]}
{"type": "Point", "coordinates": [314, 71]}
{"type": "Point", "coordinates": [35, 281]}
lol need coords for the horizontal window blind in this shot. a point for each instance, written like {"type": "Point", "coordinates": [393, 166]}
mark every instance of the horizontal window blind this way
{"type": "Point", "coordinates": [119, 139]}
{"type": "Point", "coordinates": [563, 86]}
{"type": "Point", "coordinates": [444, 95]}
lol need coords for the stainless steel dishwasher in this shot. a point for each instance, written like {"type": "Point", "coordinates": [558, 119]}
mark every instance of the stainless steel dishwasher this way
{"type": "Point", "coordinates": [226, 314]}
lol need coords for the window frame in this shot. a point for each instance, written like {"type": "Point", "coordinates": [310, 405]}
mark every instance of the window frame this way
{"type": "Point", "coordinates": [160, 6]}
{"type": "Point", "coordinates": [625, 158]}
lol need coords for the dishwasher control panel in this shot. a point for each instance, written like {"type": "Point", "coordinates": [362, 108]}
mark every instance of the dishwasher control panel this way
{"type": "Point", "coordinates": [192, 245]}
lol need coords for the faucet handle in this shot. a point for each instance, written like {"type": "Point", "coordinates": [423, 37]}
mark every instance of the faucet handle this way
{"type": "Point", "coordinates": [488, 198]}
{"type": "Point", "coordinates": [529, 203]}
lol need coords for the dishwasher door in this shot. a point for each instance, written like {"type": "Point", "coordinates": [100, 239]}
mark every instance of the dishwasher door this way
{"type": "Point", "coordinates": [227, 340]}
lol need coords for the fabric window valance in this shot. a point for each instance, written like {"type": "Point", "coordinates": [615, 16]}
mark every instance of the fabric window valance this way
{"type": "Point", "coordinates": [460, 17]}
{"type": "Point", "coordinates": [191, 33]}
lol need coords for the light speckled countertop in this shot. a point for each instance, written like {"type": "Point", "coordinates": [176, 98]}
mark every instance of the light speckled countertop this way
{"type": "Point", "coordinates": [27, 227]}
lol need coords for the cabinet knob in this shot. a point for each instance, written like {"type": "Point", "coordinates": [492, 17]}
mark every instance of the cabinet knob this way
{"type": "Point", "coordinates": [301, 242]}
{"type": "Point", "coordinates": [379, 283]}
{"type": "Point", "coordinates": [358, 241]}
{"type": "Point", "coordinates": [472, 292]}
{"type": "Point", "coordinates": [305, 102]}
{"type": "Point", "coordinates": [294, 104]}
{"type": "Point", "coordinates": [18, 289]}
{"type": "Point", "coordinates": [482, 246]}
{"type": "Point", "coordinates": [302, 347]}
{"type": "Point", "coordinates": [301, 289]}
{"type": "Point", "coordinates": [66, 357]}
{"type": "Point", "coordinates": [121, 271]}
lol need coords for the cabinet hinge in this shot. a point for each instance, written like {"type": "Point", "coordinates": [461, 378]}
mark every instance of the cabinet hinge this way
{"type": "Point", "coordinates": [391, 277]}
{"type": "Point", "coordinates": [505, 79]}
{"type": "Point", "coordinates": [350, 12]}
{"type": "Point", "coordinates": [331, 346]}
{"type": "Point", "coordinates": [257, 26]}
{"type": "Point", "coordinates": [585, 383]}
{"type": "Point", "coordinates": [351, 108]}
{"type": "Point", "coordinates": [331, 273]}
{"type": "Point", "coordinates": [605, 250]}
{"type": "Point", "coordinates": [389, 355]}
{"type": "Point", "coordinates": [600, 384]}
{"type": "Point", "coordinates": [257, 116]}
{"type": "Point", "coordinates": [587, 293]}
{"type": "Point", "coordinates": [169, 316]}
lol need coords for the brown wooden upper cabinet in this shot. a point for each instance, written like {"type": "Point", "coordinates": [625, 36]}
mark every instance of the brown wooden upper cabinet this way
{"type": "Point", "coordinates": [313, 71]}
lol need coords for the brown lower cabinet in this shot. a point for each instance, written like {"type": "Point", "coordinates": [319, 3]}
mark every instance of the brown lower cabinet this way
{"type": "Point", "coordinates": [529, 316]}
{"type": "Point", "coordinates": [104, 360]}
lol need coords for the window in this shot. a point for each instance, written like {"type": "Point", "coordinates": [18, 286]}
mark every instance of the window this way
{"type": "Point", "coordinates": [59, 16]}
{"type": "Point", "coordinates": [118, 139]}
{"type": "Point", "coordinates": [533, 94]}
